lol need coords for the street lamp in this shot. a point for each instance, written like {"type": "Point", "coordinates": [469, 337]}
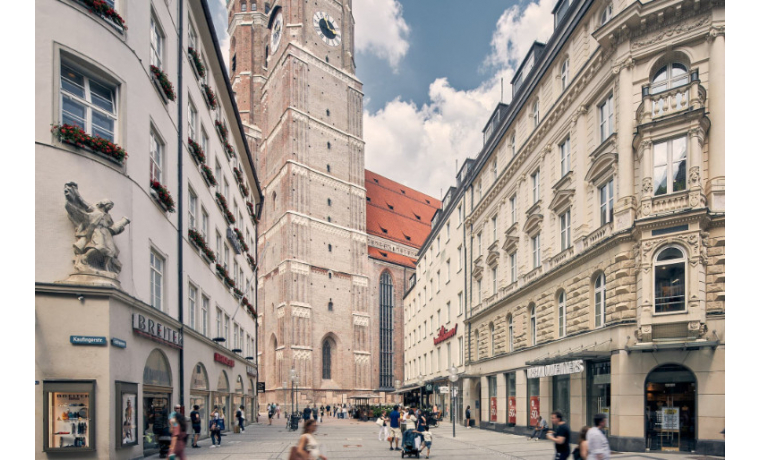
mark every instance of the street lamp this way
{"type": "Point", "coordinates": [453, 377]}
{"type": "Point", "coordinates": [294, 379]}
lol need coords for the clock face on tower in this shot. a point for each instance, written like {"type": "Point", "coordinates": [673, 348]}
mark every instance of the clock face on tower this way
{"type": "Point", "coordinates": [276, 31]}
{"type": "Point", "coordinates": [327, 28]}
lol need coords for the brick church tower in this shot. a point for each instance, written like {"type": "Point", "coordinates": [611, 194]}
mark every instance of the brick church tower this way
{"type": "Point", "coordinates": [293, 73]}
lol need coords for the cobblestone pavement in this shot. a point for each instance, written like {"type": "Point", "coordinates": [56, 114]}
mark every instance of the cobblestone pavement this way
{"type": "Point", "coordinates": [349, 439]}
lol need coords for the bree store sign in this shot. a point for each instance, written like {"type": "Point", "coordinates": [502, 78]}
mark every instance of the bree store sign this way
{"type": "Point", "coordinates": [220, 358]}
{"type": "Point", "coordinates": [156, 331]}
{"type": "Point", "coordinates": [444, 334]}
{"type": "Point", "coordinates": [568, 367]}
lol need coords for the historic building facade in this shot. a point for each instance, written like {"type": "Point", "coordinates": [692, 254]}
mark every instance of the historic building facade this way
{"type": "Point", "coordinates": [331, 279]}
{"type": "Point", "coordinates": [136, 314]}
{"type": "Point", "coordinates": [597, 231]}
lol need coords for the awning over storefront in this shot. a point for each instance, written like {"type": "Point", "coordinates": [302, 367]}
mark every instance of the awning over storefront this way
{"type": "Point", "coordinates": [686, 345]}
{"type": "Point", "coordinates": [591, 355]}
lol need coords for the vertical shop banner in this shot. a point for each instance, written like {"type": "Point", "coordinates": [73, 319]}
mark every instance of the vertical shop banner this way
{"type": "Point", "coordinates": [129, 421]}
{"type": "Point", "coordinates": [535, 410]}
{"type": "Point", "coordinates": [512, 414]}
{"type": "Point", "coordinates": [493, 409]}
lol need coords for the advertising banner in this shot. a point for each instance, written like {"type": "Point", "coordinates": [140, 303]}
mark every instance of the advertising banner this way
{"type": "Point", "coordinates": [512, 406]}
{"type": "Point", "coordinates": [535, 410]}
{"type": "Point", "coordinates": [493, 409]}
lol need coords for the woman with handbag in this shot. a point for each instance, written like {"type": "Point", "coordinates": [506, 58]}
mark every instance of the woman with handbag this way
{"type": "Point", "coordinates": [179, 438]}
{"type": "Point", "coordinates": [382, 422]}
{"type": "Point", "coordinates": [307, 448]}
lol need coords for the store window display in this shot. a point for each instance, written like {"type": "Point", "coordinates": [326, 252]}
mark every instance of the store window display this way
{"type": "Point", "coordinates": [157, 397]}
{"type": "Point", "coordinates": [68, 418]}
{"type": "Point", "coordinates": [670, 409]}
{"type": "Point", "coordinates": [199, 395]}
{"type": "Point", "coordinates": [222, 399]}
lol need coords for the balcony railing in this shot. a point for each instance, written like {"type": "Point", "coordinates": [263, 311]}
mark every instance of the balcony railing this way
{"type": "Point", "coordinates": [687, 97]}
{"type": "Point", "coordinates": [602, 232]}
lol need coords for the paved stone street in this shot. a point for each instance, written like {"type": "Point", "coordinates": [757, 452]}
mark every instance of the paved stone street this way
{"type": "Point", "coordinates": [350, 439]}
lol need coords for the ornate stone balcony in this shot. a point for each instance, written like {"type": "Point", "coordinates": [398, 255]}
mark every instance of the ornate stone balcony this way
{"type": "Point", "coordinates": [532, 275]}
{"type": "Point", "coordinates": [597, 235]}
{"type": "Point", "coordinates": [562, 257]}
{"type": "Point", "coordinates": [687, 97]}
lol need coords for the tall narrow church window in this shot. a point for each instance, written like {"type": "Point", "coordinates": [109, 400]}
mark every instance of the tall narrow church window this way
{"type": "Point", "coordinates": [326, 361]}
{"type": "Point", "coordinates": [386, 331]}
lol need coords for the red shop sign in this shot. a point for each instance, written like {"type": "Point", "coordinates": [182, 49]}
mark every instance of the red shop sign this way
{"type": "Point", "coordinates": [444, 334]}
{"type": "Point", "coordinates": [493, 409]}
{"type": "Point", "coordinates": [535, 410]}
{"type": "Point", "coordinates": [512, 406]}
{"type": "Point", "coordinates": [220, 358]}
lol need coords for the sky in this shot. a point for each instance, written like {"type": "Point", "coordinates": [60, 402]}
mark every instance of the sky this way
{"type": "Point", "coordinates": [432, 73]}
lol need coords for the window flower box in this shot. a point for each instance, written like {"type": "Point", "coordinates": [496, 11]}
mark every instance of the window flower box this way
{"type": "Point", "coordinates": [198, 66]}
{"type": "Point", "coordinates": [105, 11]}
{"type": "Point", "coordinates": [240, 238]}
{"type": "Point", "coordinates": [222, 201]}
{"type": "Point", "coordinates": [221, 129]}
{"type": "Point", "coordinates": [247, 304]}
{"type": "Point", "coordinates": [162, 196]}
{"type": "Point", "coordinates": [162, 82]}
{"type": "Point", "coordinates": [196, 151]}
{"type": "Point", "coordinates": [251, 211]}
{"type": "Point", "coordinates": [250, 260]}
{"type": "Point", "coordinates": [74, 135]}
{"type": "Point", "coordinates": [221, 272]}
{"type": "Point", "coordinates": [210, 96]}
{"type": "Point", "coordinates": [199, 242]}
{"type": "Point", "coordinates": [241, 181]}
{"type": "Point", "coordinates": [229, 150]}
{"type": "Point", "coordinates": [208, 176]}
{"type": "Point", "coordinates": [238, 293]}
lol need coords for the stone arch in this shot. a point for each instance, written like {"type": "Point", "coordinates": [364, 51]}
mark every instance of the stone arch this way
{"type": "Point", "coordinates": [681, 55]}
{"type": "Point", "coordinates": [332, 343]}
{"type": "Point", "coordinates": [199, 379]}
{"type": "Point", "coordinates": [157, 371]}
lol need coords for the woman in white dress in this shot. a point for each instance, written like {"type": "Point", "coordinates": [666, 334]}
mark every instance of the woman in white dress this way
{"type": "Point", "coordinates": [308, 447]}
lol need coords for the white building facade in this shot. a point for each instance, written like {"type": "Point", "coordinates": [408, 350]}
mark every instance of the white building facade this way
{"type": "Point", "coordinates": [158, 308]}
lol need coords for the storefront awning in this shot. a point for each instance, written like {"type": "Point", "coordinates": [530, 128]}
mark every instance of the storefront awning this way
{"type": "Point", "coordinates": [585, 355]}
{"type": "Point", "coordinates": [686, 345]}
{"type": "Point", "coordinates": [364, 397]}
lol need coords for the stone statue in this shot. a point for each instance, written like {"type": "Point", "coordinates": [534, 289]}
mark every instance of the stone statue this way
{"type": "Point", "coordinates": [96, 254]}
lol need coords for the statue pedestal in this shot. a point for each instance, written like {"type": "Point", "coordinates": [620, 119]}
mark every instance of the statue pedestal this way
{"type": "Point", "coordinates": [92, 280]}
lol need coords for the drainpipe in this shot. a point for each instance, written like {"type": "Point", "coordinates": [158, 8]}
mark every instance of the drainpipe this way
{"type": "Point", "coordinates": [467, 300]}
{"type": "Point", "coordinates": [180, 203]}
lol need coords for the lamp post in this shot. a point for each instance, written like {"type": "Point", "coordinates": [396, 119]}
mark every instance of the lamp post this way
{"type": "Point", "coordinates": [294, 380]}
{"type": "Point", "coordinates": [453, 377]}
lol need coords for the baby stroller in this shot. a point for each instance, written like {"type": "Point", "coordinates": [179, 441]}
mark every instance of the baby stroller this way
{"type": "Point", "coordinates": [409, 447]}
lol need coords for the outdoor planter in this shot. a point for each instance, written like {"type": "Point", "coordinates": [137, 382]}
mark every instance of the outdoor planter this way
{"type": "Point", "coordinates": [222, 201]}
{"type": "Point", "coordinates": [250, 260]}
{"type": "Point", "coordinates": [210, 96]}
{"type": "Point", "coordinates": [241, 182]}
{"type": "Point", "coordinates": [238, 293]}
{"type": "Point", "coordinates": [197, 239]}
{"type": "Point", "coordinates": [196, 151]}
{"type": "Point", "coordinates": [162, 195]}
{"type": "Point", "coordinates": [248, 306]}
{"type": "Point", "coordinates": [221, 129]}
{"type": "Point", "coordinates": [241, 240]}
{"type": "Point", "coordinates": [229, 150]}
{"type": "Point", "coordinates": [251, 211]}
{"type": "Point", "coordinates": [105, 11]}
{"type": "Point", "coordinates": [198, 66]}
{"type": "Point", "coordinates": [208, 176]}
{"type": "Point", "coordinates": [162, 82]}
{"type": "Point", "coordinates": [76, 136]}
{"type": "Point", "coordinates": [222, 273]}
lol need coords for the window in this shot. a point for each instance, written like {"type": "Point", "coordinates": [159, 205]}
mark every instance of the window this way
{"type": "Point", "coordinates": [564, 74]}
{"type": "Point", "coordinates": [329, 202]}
{"type": "Point", "coordinates": [510, 334]}
{"type": "Point", "coordinates": [218, 322]}
{"type": "Point", "coordinates": [513, 145]}
{"type": "Point", "coordinates": [535, 180]}
{"type": "Point", "coordinates": [668, 77]}
{"type": "Point", "coordinates": [494, 225]}
{"type": "Point", "coordinates": [513, 208]}
{"type": "Point", "coordinates": [494, 280]}
{"type": "Point", "coordinates": [513, 266]}
{"type": "Point", "coordinates": [438, 321]}
{"type": "Point", "coordinates": [448, 270]}
{"type": "Point", "coordinates": [562, 314]}
{"type": "Point", "coordinates": [480, 290]}
{"type": "Point", "coordinates": [477, 345]}
{"type": "Point", "coordinates": [204, 140]}
{"type": "Point", "coordinates": [670, 281]}
{"type": "Point", "coordinates": [492, 338]}
{"type": "Point", "coordinates": [480, 190]}
{"type": "Point", "coordinates": [564, 230]}
{"type": "Point", "coordinates": [600, 300]}
{"type": "Point", "coordinates": [448, 355]}
{"type": "Point", "coordinates": [156, 157]}
{"type": "Point", "coordinates": [326, 360]}
{"type": "Point", "coordinates": [461, 350]}
{"type": "Point", "coordinates": [204, 223]}
{"type": "Point", "coordinates": [235, 276]}
{"type": "Point", "coordinates": [424, 327]}
{"type": "Point", "coordinates": [88, 103]}
{"type": "Point", "coordinates": [204, 315]}
{"type": "Point", "coordinates": [192, 209]}
{"type": "Point", "coordinates": [226, 188]}
{"type": "Point", "coordinates": [448, 311]}
{"type": "Point", "coordinates": [448, 231]}
{"type": "Point", "coordinates": [461, 303]}
{"type": "Point", "coordinates": [243, 6]}
{"type": "Point", "coordinates": [459, 256]}
{"type": "Point", "coordinates": [192, 295]}
{"type": "Point", "coordinates": [606, 118]}
{"type": "Point", "coordinates": [217, 169]}
{"type": "Point", "coordinates": [495, 169]}
{"type": "Point", "coordinates": [156, 42]}
{"type": "Point", "coordinates": [227, 330]}
{"type": "Point", "coordinates": [669, 173]}
{"type": "Point", "coordinates": [532, 324]}
{"type": "Point", "coordinates": [226, 257]}
{"type": "Point", "coordinates": [438, 244]}
{"type": "Point", "coordinates": [218, 244]}
{"type": "Point", "coordinates": [480, 244]}
{"type": "Point", "coordinates": [606, 202]}
{"type": "Point", "coordinates": [156, 280]}
{"type": "Point", "coordinates": [235, 335]}
{"type": "Point", "coordinates": [564, 157]}
{"type": "Point", "coordinates": [459, 211]}
{"type": "Point", "coordinates": [535, 243]}
{"type": "Point", "coordinates": [536, 115]}
{"type": "Point", "coordinates": [386, 330]}
{"type": "Point", "coordinates": [192, 37]}
{"type": "Point", "coordinates": [607, 14]}
{"type": "Point", "coordinates": [192, 120]}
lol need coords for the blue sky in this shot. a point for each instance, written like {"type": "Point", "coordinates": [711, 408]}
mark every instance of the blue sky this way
{"type": "Point", "coordinates": [432, 75]}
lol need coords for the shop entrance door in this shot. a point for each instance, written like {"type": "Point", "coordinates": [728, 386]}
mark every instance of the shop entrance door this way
{"type": "Point", "coordinates": [670, 409]}
{"type": "Point", "coordinates": [561, 396]}
{"type": "Point", "coordinates": [156, 407]}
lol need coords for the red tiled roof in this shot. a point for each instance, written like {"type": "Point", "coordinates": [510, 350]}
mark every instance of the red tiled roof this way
{"type": "Point", "coordinates": [396, 212]}
{"type": "Point", "coordinates": [391, 257]}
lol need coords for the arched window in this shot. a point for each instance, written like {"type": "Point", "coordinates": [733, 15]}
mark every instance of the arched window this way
{"type": "Point", "coordinates": [386, 331]}
{"type": "Point", "coordinates": [670, 281]}
{"type": "Point", "coordinates": [533, 329]}
{"type": "Point", "coordinates": [600, 300]}
{"type": "Point", "coordinates": [492, 338]}
{"type": "Point", "coordinates": [562, 318]}
{"type": "Point", "coordinates": [477, 345]}
{"type": "Point", "coordinates": [607, 13]}
{"type": "Point", "coordinates": [669, 76]}
{"type": "Point", "coordinates": [243, 6]}
{"type": "Point", "coordinates": [510, 333]}
{"type": "Point", "coordinates": [326, 360]}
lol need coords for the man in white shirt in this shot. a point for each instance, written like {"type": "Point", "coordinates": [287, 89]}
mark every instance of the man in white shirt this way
{"type": "Point", "coordinates": [598, 446]}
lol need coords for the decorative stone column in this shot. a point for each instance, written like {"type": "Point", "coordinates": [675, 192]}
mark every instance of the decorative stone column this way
{"type": "Point", "coordinates": [716, 183]}
{"type": "Point", "coordinates": [625, 204]}
{"type": "Point", "coordinates": [696, 140]}
{"type": "Point", "coordinates": [647, 188]}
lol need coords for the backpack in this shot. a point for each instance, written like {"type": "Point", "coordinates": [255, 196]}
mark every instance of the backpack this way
{"type": "Point", "coordinates": [577, 453]}
{"type": "Point", "coordinates": [238, 414]}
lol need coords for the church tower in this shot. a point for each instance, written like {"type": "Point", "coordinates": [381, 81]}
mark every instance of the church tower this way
{"type": "Point", "coordinates": [293, 74]}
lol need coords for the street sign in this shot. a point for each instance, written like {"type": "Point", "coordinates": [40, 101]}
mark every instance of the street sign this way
{"type": "Point", "coordinates": [87, 340]}
{"type": "Point", "coordinates": [118, 342]}
{"type": "Point", "coordinates": [261, 387]}
{"type": "Point", "coordinates": [443, 390]}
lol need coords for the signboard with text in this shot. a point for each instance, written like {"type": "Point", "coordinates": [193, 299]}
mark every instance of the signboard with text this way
{"type": "Point", "coordinates": [550, 370]}
{"type": "Point", "coordinates": [493, 410]}
{"type": "Point", "coordinates": [512, 407]}
{"type": "Point", "coordinates": [670, 418]}
{"type": "Point", "coordinates": [220, 358]}
{"type": "Point", "coordinates": [535, 410]}
{"type": "Point", "coordinates": [156, 331]}
{"type": "Point", "coordinates": [445, 334]}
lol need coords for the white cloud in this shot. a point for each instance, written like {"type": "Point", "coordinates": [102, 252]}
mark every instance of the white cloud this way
{"type": "Point", "coordinates": [381, 30]}
{"type": "Point", "coordinates": [428, 140]}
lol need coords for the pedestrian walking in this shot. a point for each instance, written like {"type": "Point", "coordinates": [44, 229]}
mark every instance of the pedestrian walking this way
{"type": "Point", "coordinates": [540, 429]}
{"type": "Point", "coordinates": [307, 413]}
{"type": "Point", "coordinates": [561, 437]}
{"type": "Point", "coordinates": [382, 422]}
{"type": "Point", "coordinates": [467, 417]}
{"type": "Point", "coordinates": [222, 425]}
{"type": "Point", "coordinates": [195, 420]}
{"type": "Point", "coordinates": [393, 418]}
{"type": "Point", "coordinates": [598, 446]}
{"type": "Point", "coordinates": [329, 413]}
{"type": "Point", "coordinates": [277, 410]}
{"type": "Point", "coordinates": [240, 414]}
{"type": "Point", "coordinates": [271, 412]}
{"type": "Point", "coordinates": [345, 411]}
{"type": "Point", "coordinates": [321, 413]}
{"type": "Point", "coordinates": [581, 451]}
{"type": "Point", "coordinates": [308, 447]}
{"type": "Point", "coordinates": [314, 412]}
{"type": "Point", "coordinates": [179, 438]}
{"type": "Point", "coordinates": [214, 428]}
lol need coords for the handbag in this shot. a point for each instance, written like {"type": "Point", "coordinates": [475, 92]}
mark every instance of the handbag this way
{"type": "Point", "coordinates": [380, 421]}
{"type": "Point", "coordinates": [577, 453]}
{"type": "Point", "coordinates": [296, 455]}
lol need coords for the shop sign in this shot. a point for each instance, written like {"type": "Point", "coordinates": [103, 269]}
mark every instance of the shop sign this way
{"type": "Point", "coordinates": [250, 370]}
{"type": "Point", "coordinates": [156, 331]}
{"type": "Point", "coordinates": [444, 334]}
{"type": "Point", "coordinates": [118, 343]}
{"type": "Point", "coordinates": [261, 387]}
{"type": "Point", "coordinates": [493, 409]}
{"type": "Point", "coordinates": [512, 410]}
{"type": "Point", "coordinates": [670, 418]}
{"type": "Point", "coordinates": [220, 358]}
{"type": "Point", "coordinates": [429, 387]}
{"type": "Point", "coordinates": [568, 367]}
{"type": "Point", "coordinates": [87, 340]}
{"type": "Point", "coordinates": [535, 410]}
{"type": "Point", "coordinates": [443, 390]}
